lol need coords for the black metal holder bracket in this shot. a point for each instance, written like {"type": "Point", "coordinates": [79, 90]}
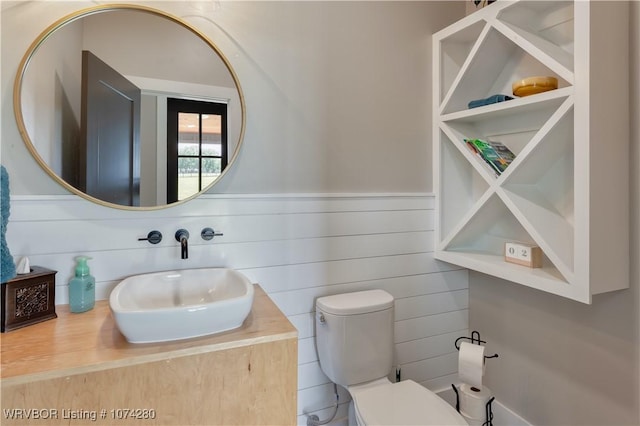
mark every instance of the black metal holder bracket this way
{"type": "Point", "coordinates": [475, 339]}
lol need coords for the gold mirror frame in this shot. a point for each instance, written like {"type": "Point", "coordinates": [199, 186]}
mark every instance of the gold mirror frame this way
{"type": "Point", "coordinates": [33, 48]}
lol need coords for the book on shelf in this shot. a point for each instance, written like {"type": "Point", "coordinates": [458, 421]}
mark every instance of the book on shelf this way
{"type": "Point", "coordinates": [482, 161]}
{"type": "Point", "coordinates": [503, 152]}
{"type": "Point", "coordinates": [497, 155]}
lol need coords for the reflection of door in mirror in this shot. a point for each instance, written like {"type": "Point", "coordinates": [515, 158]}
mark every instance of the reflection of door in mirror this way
{"type": "Point", "coordinates": [110, 133]}
{"type": "Point", "coordinates": [196, 146]}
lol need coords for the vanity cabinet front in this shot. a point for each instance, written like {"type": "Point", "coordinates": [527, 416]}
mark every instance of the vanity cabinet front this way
{"type": "Point", "coordinates": [78, 369]}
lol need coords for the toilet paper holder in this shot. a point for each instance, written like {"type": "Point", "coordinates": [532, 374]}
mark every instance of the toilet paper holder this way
{"type": "Point", "coordinates": [488, 408]}
{"type": "Point", "coordinates": [475, 339]}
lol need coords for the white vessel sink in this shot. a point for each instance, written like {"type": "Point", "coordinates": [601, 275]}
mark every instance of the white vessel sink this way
{"type": "Point", "coordinates": [174, 305]}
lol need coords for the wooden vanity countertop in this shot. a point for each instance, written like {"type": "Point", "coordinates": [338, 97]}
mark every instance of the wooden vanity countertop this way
{"type": "Point", "coordinates": [90, 341]}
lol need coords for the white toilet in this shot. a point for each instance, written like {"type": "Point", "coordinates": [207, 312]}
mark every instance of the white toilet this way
{"type": "Point", "coordinates": [354, 338]}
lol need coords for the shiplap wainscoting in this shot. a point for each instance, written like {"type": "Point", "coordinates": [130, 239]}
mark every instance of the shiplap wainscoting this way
{"type": "Point", "coordinates": [296, 246]}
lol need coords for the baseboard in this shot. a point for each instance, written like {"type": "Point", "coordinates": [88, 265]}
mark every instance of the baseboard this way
{"type": "Point", "coordinates": [502, 415]}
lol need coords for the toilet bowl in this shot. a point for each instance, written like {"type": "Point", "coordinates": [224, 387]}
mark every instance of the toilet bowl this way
{"type": "Point", "coordinates": [354, 339]}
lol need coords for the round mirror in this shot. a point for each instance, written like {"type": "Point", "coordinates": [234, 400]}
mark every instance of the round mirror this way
{"type": "Point", "coordinates": [129, 107]}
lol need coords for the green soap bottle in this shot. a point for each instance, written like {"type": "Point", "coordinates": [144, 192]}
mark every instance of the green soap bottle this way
{"type": "Point", "coordinates": [82, 287]}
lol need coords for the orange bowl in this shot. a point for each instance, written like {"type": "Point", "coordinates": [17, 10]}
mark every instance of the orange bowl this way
{"type": "Point", "coordinates": [532, 85]}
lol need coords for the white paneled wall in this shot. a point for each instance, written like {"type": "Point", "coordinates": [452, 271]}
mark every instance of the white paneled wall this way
{"type": "Point", "coordinates": [297, 247]}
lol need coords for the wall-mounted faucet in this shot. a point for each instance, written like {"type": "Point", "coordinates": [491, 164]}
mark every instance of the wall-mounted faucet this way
{"type": "Point", "coordinates": [182, 236]}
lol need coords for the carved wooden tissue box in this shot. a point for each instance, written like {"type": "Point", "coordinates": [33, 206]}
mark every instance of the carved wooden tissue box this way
{"type": "Point", "coordinates": [29, 298]}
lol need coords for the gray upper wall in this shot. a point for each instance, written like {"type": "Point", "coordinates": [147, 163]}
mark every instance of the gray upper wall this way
{"type": "Point", "coordinates": [338, 94]}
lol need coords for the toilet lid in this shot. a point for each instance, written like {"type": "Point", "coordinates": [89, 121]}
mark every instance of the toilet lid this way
{"type": "Point", "coordinates": [404, 403]}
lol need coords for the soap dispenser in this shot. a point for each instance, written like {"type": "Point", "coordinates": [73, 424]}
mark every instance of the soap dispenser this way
{"type": "Point", "coordinates": [82, 287]}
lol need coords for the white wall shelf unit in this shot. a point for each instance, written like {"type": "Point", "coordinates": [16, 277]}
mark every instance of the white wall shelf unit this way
{"type": "Point", "coordinates": [567, 189]}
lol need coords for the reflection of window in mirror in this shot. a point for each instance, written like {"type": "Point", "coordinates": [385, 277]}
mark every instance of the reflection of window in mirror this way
{"type": "Point", "coordinates": [196, 146]}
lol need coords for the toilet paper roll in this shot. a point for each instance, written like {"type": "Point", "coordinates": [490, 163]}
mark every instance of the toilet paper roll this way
{"type": "Point", "coordinates": [473, 403]}
{"type": "Point", "coordinates": [471, 364]}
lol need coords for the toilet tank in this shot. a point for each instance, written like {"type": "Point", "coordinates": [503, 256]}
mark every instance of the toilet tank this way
{"type": "Point", "coordinates": [354, 336]}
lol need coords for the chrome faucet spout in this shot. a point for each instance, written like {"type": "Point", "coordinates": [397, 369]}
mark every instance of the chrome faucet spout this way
{"type": "Point", "coordinates": [182, 236]}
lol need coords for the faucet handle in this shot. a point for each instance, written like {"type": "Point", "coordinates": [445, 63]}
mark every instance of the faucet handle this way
{"type": "Point", "coordinates": [180, 233]}
{"type": "Point", "coordinates": [208, 234]}
{"type": "Point", "coordinates": [154, 237]}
